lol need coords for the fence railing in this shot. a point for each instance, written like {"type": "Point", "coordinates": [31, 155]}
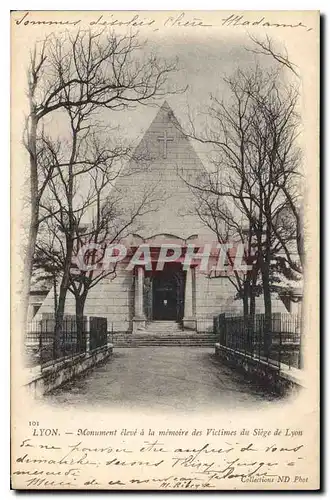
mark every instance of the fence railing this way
{"type": "Point", "coordinates": [277, 342]}
{"type": "Point", "coordinates": [43, 346]}
{"type": "Point", "coordinates": [97, 332]}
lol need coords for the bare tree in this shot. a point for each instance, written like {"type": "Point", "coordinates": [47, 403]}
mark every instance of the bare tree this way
{"type": "Point", "coordinates": [254, 137]}
{"type": "Point", "coordinates": [268, 47]}
{"type": "Point", "coordinates": [81, 206]}
{"type": "Point", "coordinates": [81, 70]}
{"type": "Point", "coordinates": [47, 270]}
{"type": "Point", "coordinates": [215, 213]}
{"type": "Point", "coordinates": [109, 226]}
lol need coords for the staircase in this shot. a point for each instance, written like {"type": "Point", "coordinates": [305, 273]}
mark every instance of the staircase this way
{"type": "Point", "coordinates": [163, 328]}
{"type": "Point", "coordinates": [163, 333]}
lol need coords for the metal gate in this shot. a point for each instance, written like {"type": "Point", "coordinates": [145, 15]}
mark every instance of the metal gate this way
{"type": "Point", "coordinates": [98, 332]}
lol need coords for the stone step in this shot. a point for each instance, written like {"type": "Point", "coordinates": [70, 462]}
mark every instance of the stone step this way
{"type": "Point", "coordinates": [166, 341]}
{"type": "Point", "coordinates": [170, 336]}
{"type": "Point", "coordinates": [154, 340]}
{"type": "Point", "coordinates": [166, 333]}
{"type": "Point", "coordinates": [163, 327]}
{"type": "Point", "coordinates": [160, 333]}
{"type": "Point", "coordinates": [132, 346]}
{"type": "Point", "coordinates": [167, 323]}
{"type": "Point", "coordinates": [163, 322]}
{"type": "Point", "coordinates": [159, 344]}
{"type": "Point", "coordinates": [140, 336]}
{"type": "Point", "coordinates": [160, 330]}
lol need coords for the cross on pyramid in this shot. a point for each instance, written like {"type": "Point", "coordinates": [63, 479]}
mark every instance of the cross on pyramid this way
{"type": "Point", "coordinates": [165, 139]}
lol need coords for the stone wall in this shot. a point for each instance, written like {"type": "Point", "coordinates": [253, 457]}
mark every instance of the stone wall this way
{"type": "Point", "coordinates": [270, 377]}
{"type": "Point", "coordinates": [217, 295]}
{"type": "Point", "coordinates": [54, 374]}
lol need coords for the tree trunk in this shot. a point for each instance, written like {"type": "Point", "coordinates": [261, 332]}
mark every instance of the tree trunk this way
{"type": "Point", "coordinates": [300, 238]}
{"type": "Point", "coordinates": [253, 295]}
{"type": "Point", "coordinates": [245, 305]}
{"type": "Point", "coordinates": [252, 304]}
{"type": "Point", "coordinates": [265, 272]}
{"type": "Point", "coordinates": [59, 315]}
{"type": "Point", "coordinates": [55, 292]}
{"type": "Point", "coordinates": [250, 313]}
{"type": "Point", "coordinates": [28, 265]}
{"type": "Point", "coordinates": [264, 267]}
{"type": "Point", "coordinates": [34, 217]}
{"type": "Point", "coordinates": [246, 295]}
{"type": "Point", "coordinates": [268, 309]}
{"type": "Point", "coordinates": [81, 334]}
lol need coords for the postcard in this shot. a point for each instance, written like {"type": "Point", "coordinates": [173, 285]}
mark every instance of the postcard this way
{"type": "Point", "coordinates": [164, 253]}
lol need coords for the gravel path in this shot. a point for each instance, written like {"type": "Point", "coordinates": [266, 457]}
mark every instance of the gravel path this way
{"type": "Point", "coordinates": [162, 378]}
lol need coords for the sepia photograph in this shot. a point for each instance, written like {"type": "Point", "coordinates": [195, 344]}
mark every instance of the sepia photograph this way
{"type": "Point", "coordinates": [165, 250]}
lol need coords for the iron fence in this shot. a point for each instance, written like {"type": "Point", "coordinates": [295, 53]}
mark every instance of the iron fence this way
{"type": "Point", "coordinates": [276, 342]}
{"type": "Point", "coordinates": [43, 346]}
{"type": "Point", "coordinates": [98, 335]}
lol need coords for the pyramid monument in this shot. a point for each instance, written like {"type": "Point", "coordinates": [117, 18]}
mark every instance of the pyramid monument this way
{"type": "Point", "coordinates": [165, 160]}
{"type": "Point", "coordinates": [137, 298]}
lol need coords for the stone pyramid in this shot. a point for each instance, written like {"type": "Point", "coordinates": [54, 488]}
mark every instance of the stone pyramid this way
{"type": "Point", "coordinates": [165, 161]}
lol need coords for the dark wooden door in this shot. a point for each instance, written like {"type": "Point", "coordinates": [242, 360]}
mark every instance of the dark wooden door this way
{"type": "Point", "coordinates": [164, 298]}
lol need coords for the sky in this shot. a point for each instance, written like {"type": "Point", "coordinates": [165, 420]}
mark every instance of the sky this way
{"type": "Point", "coordinates": [205, 56]}
{"type": "Point", "coordinates": [203, 62]}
